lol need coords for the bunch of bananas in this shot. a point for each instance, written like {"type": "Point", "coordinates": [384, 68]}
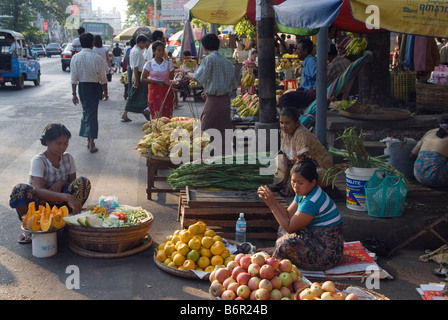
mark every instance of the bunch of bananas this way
{"type": "Point", "coordinates": [193, 83]}
{"type": "Point", "coordinates": [124, 78]}
{"type": "Point", "coordinates": [283, 64]}
{"type": "Point", "coordinates": [177, 63]}
{"type": "Point", "coordinates": [190, 63]}
{"type": "Point", "coordinates": [157, 140]}
{"type": "Point", "coordinates": [248, 78]}
{"type": "Point", "coordinates": [247, 105]}
{"type": "Point", "coordinates": [356, 45]}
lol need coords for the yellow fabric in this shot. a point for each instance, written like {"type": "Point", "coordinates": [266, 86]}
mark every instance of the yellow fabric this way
{"type": "Point", "coordinates": [228, 12]}
{"type": "Point", "coordinates": [420, 17]}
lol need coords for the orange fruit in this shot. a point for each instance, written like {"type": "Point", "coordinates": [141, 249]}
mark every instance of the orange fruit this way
{"type": "Point", "coordinates": [207, 242]}
{"type": "Point", "coordinates": [183, 249]}
{"type": "Point", "coordinates": [217, 260]}
{"type": "Point", "coordinates": [209, 233]}
{"type": "Point", "coordinates": [225, 253]}
{"type": "Point", "coordinates": [202, 226]}
{"type": "Point", "coordinates": [161, 255]}
{"type": "Point", "coordinates": [203, 262]}
{"type": "Point", "coordinates": [178, 259]}
{"type": "Point", "coordinates": [169, 249]}
{"type": "Point", "coordinates": [189, 264]}
{"type": "Point", "coordinates": [193, 255]}
{"type": "Point", "coordinates": [185, 236]}
{"type": "Point", "coordinates": [209, 268]}
{"type": "Point", "coordinates": [205, 252]}
{"type": "Point", "coordinates": [217, 238]}
{"type": "Point", "coordinates": [194, 229]}
{"type": "Point", "coordinates": [172, 265]}
{"type": "Point", "coordinates": [175, 238]}
{"type": "Point", "coordinates": [167, 261]}
{"type": "Point", "coordinates": [194, 244]}
{"type": "Point", "coordinates": [217, 248]}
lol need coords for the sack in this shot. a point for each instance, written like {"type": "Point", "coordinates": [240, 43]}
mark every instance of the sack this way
{"type": "Point", "coordinates": [398, 151]}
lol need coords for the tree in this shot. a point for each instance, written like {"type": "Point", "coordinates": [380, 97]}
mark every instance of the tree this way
{"type": "Point", "coordinates": [139, 8]}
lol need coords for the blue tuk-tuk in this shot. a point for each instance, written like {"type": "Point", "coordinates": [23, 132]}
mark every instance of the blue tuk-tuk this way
{"type": "Point", "coordinates": [17, 65]}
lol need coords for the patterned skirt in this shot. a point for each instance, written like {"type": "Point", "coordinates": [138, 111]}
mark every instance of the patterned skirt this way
{"type": "Point", "coordinates": [431, 169]}
{"type": "Point", "coordinates": [22, 194]}
{"type": "Point", "coordinates": [311, 248]}
{"type": "Point", "coordinates": [159, 97]}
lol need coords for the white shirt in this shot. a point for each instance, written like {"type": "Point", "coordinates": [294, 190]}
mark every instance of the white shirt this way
{"type": "Point", "coordinates": [148, 55]}
{"type": "Point", "coordinates": [13, 47]}
{"type": "Point", "coordinates": [87, 66]}
{"type": "Point", "coordinates": [136, 58]}
{"type": "Point", "coordinates": [41, 167]}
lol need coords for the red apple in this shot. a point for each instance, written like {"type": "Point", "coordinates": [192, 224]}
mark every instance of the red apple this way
{"type": "Point", "coordinates": [306, 294]}
{"type": "Point", "coordinates": [232, 264]}
{"type": "Point", "coordinates": [285, 265]}
{"type": "Point", "coordinates": [253, 269]}
{"type": "Point", "coordinates": [228, 295]}
{"type": "Point", "coordinates": [329, 286]}
{"type": "Point", "coordinates": [245, 262]}
{"type": "Point", "coordinates": [258, 258]}
{"type": "Point", "coordinates": [243, 278]}
{"type": "Point", "coordinates": [316, 290]}
{"type": "Point", "coordinates": [221, 274]}
{"type": "Point", "coordinates": [338, 296]}
{"type": "Point", "coordinates": [262, 294]}
{"type": "Point", "coordinates": [243, 291]}
{"type": "Point", "coordinates": [351, 296]}
{"type": "Point", "coordinates": [266, 272]}
{"type": "Point", "coordinates": [326, 295]}
{"type": "Point", "coordinates": [239, 298]}
{"type": "Point", "coordinates": [216, 288]}
{"type": "Point", "coordinates": [253, 283]}
{"type": "Point", "coordinates": [276, 282]}
{"type": "Point", "coordinates": [233, 286]}
{"type": "Point", "coordinates": [286, 278]}
{"type": "Point", "coordinates": [236, 271]}
{"type": "Point", "coordinates": [252, 295]}
{"type": "Point", "coordinates": [285, 291]}
{"type": "Point", "coordinates": [265, 284]}
{"type": "Point", "coordinates": [273, 262]}
{"type": "Point", "coordinates": [238, 257]}
{"type": "Point", "coordinates": [211, 277]}
{"type": "Point", "coordinates": [276, 294]}
{"type": "Point", "coordinates": [228, 281]}
{"type": "Point", "coordinates": [298, 285]}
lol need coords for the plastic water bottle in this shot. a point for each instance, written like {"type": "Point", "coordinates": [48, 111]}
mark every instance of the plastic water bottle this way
{"type": "Point", "coordinates": [240, 232]}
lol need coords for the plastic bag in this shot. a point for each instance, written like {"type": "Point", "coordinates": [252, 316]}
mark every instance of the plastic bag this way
{"type": "Point", "coordinates": [110, 203]}
{"type": "Point", "coordinates": [398, 151]}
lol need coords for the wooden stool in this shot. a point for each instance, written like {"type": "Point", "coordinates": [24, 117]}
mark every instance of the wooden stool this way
{"type": "Point", "coordinates": [426, 229]}
{"type": "Point", "coordinates": [155, 164]}
{"type": "Point", "coordinates": [287, 83]}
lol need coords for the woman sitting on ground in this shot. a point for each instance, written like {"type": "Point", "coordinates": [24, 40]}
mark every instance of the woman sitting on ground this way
{"type": "Point", "coordinates": [52, 178]}
{"type": "Point", "coordinates": [296, 141]}
{"type": "Point", "coordinates": [310, 233]}
{"type": "Point", "coordinates": [431, 154]}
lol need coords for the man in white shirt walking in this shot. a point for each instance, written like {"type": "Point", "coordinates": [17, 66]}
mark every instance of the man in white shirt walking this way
{"type": "Point", "coordinates": [88, 73]}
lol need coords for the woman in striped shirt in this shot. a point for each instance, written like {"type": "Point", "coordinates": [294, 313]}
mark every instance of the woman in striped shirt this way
{"type": "Point", "coordinates": [310, 233]}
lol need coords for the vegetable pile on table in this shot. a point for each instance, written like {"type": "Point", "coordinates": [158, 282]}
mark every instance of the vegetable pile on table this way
{"type": "Point", "coordinates": [221, 172]}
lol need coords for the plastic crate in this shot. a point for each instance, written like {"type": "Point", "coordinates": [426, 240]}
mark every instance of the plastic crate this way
{"type": "Point", "coordinates": [385, 195]}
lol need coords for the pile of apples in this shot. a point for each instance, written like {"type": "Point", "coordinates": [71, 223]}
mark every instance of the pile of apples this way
{"type": "Point", "coordinates": [323, 291]}
{"type": "Point", "coordinates": [256, 277]}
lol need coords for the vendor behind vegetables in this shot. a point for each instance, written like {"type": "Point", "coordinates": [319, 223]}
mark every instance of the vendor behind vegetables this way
{"type": "Point", "coordinates": [52, 178]}
{"type": "Point", "coordinates": [311, 227]}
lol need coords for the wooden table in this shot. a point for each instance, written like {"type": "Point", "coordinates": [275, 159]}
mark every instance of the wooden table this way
{"type": "Point", "coordinates": [219, 210]}
{"type": "Point", "coordinates": [155, 164]}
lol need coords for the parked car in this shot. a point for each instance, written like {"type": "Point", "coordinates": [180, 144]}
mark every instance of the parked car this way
{"type": "Point", "coordinates": [66, 56]}
{"type": "Point", "coordinates": [18, 67]}
{"type": "Point", "coordinates": [38, 50]}
{"type": "Point", "coordinates": [53, 49]}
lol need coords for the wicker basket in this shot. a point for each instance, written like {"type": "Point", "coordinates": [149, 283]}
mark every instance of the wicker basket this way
{"type": "Point", "coordinates": [431, 97]}
{"type": "Point", "coordinates": [109, 240]}
{"type": "Point", "coordinates": [403, 85]}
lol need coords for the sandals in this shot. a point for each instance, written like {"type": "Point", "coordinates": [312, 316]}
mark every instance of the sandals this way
{"type": "Point", "coordinates": [25, 238]}
{"type": "Point", "coordinates": [441, 271]}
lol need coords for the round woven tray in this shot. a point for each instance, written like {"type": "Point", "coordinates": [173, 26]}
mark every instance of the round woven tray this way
{"type": "Point", "coordinates": [146, 243]}
{"type": "Point", "coordinates": [109, 240]}
{"type": "Point", "coordinates": [381, 114]}
{"type": "Point", "coordinates": [181, 273]}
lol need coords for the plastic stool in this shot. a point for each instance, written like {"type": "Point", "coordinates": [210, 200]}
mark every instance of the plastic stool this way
{"type": "Point", "coordinates": [287, 83]}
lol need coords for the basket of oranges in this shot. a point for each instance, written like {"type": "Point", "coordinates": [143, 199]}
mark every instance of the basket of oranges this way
{"type": "Point", "coordinates": [192, 253]}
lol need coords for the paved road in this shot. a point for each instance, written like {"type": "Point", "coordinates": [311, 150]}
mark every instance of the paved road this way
{"type": "Point", "coordinates": [117, 169]}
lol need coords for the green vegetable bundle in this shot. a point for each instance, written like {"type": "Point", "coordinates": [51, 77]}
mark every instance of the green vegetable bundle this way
{"type": "Point", "coordinates": [227, 172]}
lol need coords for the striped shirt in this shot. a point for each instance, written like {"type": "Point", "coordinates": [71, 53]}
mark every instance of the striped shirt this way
{"type": "Point", "coordinates": [41, 167]}
{"type": "Point", "coordinates": [87, 66]}
{"type": "Point", "coordinates": [318, 204]}
{"type": "Point", "coordinates": [216, 74]}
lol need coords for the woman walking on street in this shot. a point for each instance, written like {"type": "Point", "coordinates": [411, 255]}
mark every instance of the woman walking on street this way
{"type": "Point", "coordinates": [138, 96]}
{"type": "Point", "coordinates": [157, 74]}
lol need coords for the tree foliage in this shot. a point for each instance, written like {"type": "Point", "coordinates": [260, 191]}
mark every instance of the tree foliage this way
{"type": "Point", "coordinates": [138, 9]}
